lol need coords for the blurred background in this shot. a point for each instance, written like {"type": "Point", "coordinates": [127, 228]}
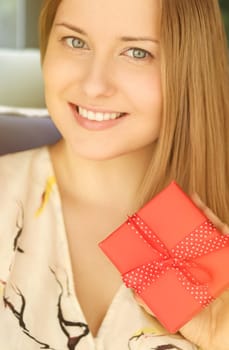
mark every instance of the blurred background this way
{"type": "Point", "coordinates": [21, 81]}
{"type": "Point", "coordinates": [24, 120]}
{"type": "Point", "coordinates": [18, 23]}
{"type": "Point", "coordinates": [225, 10]}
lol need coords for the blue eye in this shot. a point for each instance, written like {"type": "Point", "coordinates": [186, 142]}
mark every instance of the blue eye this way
{"type": "Point", "coordinates": [138, 53]}
{"type": "Point", "coordinates": [75, 43]}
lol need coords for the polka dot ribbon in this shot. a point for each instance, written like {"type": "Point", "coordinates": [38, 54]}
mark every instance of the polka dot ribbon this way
{"type": "Point", "coordinates": [194, 278]}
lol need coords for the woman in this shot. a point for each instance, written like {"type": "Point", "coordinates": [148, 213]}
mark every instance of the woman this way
{"type": "Point", "coordinates": [139, 91]}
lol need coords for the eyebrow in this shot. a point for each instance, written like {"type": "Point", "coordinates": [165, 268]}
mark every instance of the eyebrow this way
{"type": "Point", "coordinates": [123, 38]}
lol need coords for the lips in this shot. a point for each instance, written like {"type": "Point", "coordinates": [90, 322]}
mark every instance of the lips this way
{"type": "Point", "coordinates": [96, 119]}
{"type": "Point", "coordinates": [97, 115]}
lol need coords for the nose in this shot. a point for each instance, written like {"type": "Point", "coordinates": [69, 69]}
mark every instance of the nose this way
{"type": "Point", "coordinates": [98, 80]}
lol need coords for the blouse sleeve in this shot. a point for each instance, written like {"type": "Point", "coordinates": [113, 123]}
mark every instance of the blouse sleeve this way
{"type": "Point", "coordinates": [12, 190]}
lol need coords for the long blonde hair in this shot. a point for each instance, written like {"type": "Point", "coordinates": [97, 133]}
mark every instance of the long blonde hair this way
{"type": "Point", "coordinates": [47, 16]}
{"type": "Point", "coordinates": [193, 145]}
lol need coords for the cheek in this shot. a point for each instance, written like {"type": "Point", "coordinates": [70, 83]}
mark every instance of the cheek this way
{"type": "Point", "coordinates": [144, 90]}
{"type": "Point", "coordinates": [58, 72]}
{"type": "Point", "coordinates": [55, 74]}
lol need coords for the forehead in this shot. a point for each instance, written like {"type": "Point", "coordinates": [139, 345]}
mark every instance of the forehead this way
{"type": "Point", "coordinates": [120, 16]}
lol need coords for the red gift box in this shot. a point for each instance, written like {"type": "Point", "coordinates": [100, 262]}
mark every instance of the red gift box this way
{"type": "Point", "coordinates": [172, 256]}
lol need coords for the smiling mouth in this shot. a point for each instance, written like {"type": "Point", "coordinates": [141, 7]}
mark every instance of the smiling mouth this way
{"type": "Point", "coordinates": [97, 116]}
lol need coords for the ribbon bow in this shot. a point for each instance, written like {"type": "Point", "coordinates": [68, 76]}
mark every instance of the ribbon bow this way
{"type": "Point", "coordinates": [203, 240]}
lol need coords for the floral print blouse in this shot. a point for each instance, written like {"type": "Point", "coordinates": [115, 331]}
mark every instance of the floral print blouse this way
{"type": "Point", "coordinates": [38, 305]}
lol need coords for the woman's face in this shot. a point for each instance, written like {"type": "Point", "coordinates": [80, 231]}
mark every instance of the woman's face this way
{"type": "Point", "coordinates": [102, 75]}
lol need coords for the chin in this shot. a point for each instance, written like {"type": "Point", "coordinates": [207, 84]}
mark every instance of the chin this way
{"type": "Point", "coordinates": [98, 154]}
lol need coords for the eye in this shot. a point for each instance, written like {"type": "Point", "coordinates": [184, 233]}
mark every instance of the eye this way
{"type": "Point", "coordinates": [139, 54]}
{"type": "Point", "coordinates": [75, 43]}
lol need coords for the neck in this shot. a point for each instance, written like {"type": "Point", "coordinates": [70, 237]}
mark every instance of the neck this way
{"type": "Point", "coordinates": [114, 182]}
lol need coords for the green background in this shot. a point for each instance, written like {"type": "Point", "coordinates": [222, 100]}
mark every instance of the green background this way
{"type": "Point", "coordinates": [225, 8]}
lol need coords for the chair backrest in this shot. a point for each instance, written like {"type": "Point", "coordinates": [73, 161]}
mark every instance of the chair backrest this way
{"type": "Point", "coordinates": [21, 78]}
{"type": "Point", "coordinates": [18, 133]}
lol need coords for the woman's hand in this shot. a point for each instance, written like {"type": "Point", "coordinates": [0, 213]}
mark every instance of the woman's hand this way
{"type": "Point", "coordinates": [210, 328]}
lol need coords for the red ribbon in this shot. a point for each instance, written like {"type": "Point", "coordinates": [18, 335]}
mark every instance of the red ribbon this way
{"type": "Point", "coordinates": [203, 240]}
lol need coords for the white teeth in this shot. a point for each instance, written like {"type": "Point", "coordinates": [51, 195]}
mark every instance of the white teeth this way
{"type": "Point", "coordinates": [83, 112]}
{"type": "Point", "coordinates": [108, 116]}
{"type": "Point", "coordinates": [98, 116]}
{"type": "Point", "coordinates": [90, 115]}
{"type": "Point", "coordinates": [113, 116]}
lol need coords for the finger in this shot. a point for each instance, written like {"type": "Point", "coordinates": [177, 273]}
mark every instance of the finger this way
{"type": "Point", "coordinates": [221, 226]}
{"type": "Point", "coordinates": [143, 305]}
{"type": "Point", "coordinates": [207, 211]}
